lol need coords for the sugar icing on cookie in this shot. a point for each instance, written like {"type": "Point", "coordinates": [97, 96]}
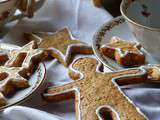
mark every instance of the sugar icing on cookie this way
{"type": "Point", "coordinates": [25, 56]}
{"type": "Point", "coordinates": [61, 45]}
{"type": "Point", "coordinates": [11, 79]}
{"type": "Point", "coordinates": [97, 90]}
{"type": "Point", "coordinates": [126, 53]}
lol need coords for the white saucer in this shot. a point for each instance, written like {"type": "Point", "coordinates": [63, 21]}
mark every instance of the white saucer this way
{"type": "Point", "coordinates": [116, 27]}
{"type": "Point", "coordinates": [35, 81]}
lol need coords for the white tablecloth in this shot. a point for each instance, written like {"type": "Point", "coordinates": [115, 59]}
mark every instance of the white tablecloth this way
{"type": "Point", "coordinates": [83, 19]}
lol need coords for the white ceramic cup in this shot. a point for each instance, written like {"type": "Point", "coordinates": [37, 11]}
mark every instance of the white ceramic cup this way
{"type": "Point", "coordinates": [7, 11]}
{"type": "Point", "coordinates": [143, 18]}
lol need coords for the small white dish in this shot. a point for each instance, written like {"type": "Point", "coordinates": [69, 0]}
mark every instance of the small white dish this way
{"type": "Point", "coordinates": [34, 81]}
{"type": "Point", "coordinates": [116, 27]}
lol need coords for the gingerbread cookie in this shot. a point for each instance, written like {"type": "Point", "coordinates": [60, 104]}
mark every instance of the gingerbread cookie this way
{"type": "Point", "coordinates": [3, 57]}
{"type": "Point", "coordinates": [26, 57]}
{"type": "Point", "coordinates": [4, 53]}
{"type": "Point", "coordinates": [153, 71]}
{"type": "Point", "coordinates": [124, 52]}
{"type": "Point", "coordinates": [97, 95]}
{"type": "Point", "coordinates": [11, 79]}
{"type": "Point", "coordinates": [61, 45]}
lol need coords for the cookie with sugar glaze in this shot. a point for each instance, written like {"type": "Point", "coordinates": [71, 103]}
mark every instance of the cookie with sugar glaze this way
{"type": "Point", "coordinates": [27, 57]}
{"type": "Point", "coordinates": [60, 44]}
{"type": "Point", "coordinates": [153, 71]}
{"type": "Point", "coordinates": [97, 95]}
{"type": "Point", "coordinates": [124, 52]}
{"type": "Point", "coordinates": [4, 53]}
{"type": "Point", "coordinates": [11, 78]}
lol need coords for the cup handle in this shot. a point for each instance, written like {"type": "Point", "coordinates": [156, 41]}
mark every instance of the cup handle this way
{"type": "Point", "coordinates": [38, 5]}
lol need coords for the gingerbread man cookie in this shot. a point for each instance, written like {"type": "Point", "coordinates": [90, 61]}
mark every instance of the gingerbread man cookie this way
{"type": "Point", "coordinates": [125, 53]}
{"type": "Point", "coordinates": [61, 45]}
{"type": "Point", "coordinates": [97, 95]}
{"type": "Point", "coordinates": [26, 56]}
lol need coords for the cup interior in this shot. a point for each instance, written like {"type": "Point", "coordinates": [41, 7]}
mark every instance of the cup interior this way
{"type": "Point", "coordinates": [144, 12]}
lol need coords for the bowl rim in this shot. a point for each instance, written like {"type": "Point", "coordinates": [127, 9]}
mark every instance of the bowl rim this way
{"type": "Point", "coordinates": [4, 1]}
{"type": "Point", "coordinates": [132, 21]}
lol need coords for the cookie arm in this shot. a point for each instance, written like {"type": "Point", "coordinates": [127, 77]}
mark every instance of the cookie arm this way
{"type": "Point", "coordinates": [134, 76]}
{"type": "Point", "coordinates": [61, 93]}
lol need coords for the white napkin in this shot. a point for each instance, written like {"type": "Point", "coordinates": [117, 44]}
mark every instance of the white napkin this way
{"type": "Point", "coordinates": [25, 113]}
{"type": "Point", "coordinates": [80, 16]}
{"type": "Point", "coordinates": [83, 19]}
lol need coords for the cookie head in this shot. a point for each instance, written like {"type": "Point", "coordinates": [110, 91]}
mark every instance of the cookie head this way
{"type": "Point", "coordinates": [97, 95]}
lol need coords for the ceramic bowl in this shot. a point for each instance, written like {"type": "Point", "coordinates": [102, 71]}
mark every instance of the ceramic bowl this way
{"type": "Point", "coordinates": [143, 19]}
{"type": "Point", "coordinates": [7, 10]}
{"type": "Point", "coordinates": [9, 7]}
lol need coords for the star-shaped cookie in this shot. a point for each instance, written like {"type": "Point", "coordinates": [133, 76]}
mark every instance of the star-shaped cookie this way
{"type": "Point", "coordinates": [124, 52]}
{"type": "Point", "coordinates": [26, 57]}
{"type": "Point", "coordinates": [61, 45]}
{"type": "Point", "coordinates": [4, 53]}
{"type": "Point", "coordinates": [97, 95]}
{"type": "Point", "coordinates": [11, 78]}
